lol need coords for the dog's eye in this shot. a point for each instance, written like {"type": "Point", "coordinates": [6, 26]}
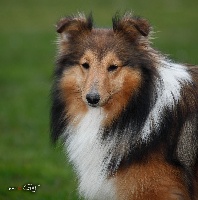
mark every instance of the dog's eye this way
{"type": "Point", "coordinates": [85, 65]}
{"type": "Point", "coordinates": [112, 68]}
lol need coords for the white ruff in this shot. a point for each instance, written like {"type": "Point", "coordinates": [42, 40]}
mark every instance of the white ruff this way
{"type": "Point", "coordinates": [169, 85]}
{"type": "Point", "coordinates": [87, 154]}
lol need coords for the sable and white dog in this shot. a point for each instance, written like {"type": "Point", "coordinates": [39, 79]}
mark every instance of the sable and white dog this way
{"type": "Point", "coordinates": [128, 115]}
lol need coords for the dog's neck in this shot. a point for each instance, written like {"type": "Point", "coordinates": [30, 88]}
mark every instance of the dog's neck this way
{"type": "Point", "coordinates": [87, 153]}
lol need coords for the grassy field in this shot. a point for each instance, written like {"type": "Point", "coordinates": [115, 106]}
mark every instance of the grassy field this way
{"type": "Point", "coordinates": [27, 51]}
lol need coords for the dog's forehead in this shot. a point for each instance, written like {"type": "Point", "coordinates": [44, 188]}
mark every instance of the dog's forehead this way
{"type": "Point", "coordinates": [104, 41]}
{"type": "Point", "coordinates": [93, 57]}
{"type": "Point", "coordinates": [101, 37]}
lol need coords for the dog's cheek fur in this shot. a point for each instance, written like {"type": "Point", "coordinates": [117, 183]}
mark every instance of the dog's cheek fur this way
{"type": "Point", "coordinates": [71, 85]}
{"type": "Point", "coordinates": [129, 82]}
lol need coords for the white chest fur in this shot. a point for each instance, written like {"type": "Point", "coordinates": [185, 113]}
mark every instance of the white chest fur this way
{"type": "Point", "coordinates": [87, 154]}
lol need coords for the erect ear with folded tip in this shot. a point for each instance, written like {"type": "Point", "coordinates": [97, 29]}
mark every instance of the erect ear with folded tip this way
{"type": "Point", "coordinates": [134, 27]}
{"type": "Point", "coordinates": [74, 24]}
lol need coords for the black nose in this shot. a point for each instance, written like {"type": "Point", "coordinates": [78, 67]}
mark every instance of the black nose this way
{"type": "Point", "coordinates": [93, 98]}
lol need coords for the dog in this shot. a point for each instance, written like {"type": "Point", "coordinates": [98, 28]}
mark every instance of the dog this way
{"type": "Point", "coordinates": [127, 114]}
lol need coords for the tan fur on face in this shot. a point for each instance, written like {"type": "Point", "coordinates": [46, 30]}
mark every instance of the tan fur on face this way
{"type": "Point", "coordinates": [110, 85]}
{"type": "Point", "coordinates": [71, 91]}
{"type": "Point", "coordinates": [114, 87]}
{"type": "Point", "coordinates": [129, 81]}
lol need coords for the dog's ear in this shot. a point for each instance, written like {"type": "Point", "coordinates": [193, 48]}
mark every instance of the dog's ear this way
{"type": "Point", "coordinates": [133, 26]}
{"type": "Point", "coordinates": [74, 24]}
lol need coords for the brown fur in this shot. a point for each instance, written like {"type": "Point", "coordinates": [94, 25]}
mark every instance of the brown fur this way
{"type": "Point", "coordinates": [152, 180]}
{"type": "Point", "coordinates": [72, 94]}
{"type": "Point", "coordinates": [119, 100]}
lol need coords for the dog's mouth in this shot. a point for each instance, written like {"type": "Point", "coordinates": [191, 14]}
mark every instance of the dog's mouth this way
{"type": "Point", "coordinates": [94, 105]}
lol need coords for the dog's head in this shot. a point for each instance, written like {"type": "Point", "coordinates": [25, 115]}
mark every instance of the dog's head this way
{"type": "Point", "coordinates": [101, 67]}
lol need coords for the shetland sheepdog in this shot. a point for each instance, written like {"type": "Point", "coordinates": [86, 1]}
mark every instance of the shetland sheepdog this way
{"type": "Point", "coordinates": [127, 114]}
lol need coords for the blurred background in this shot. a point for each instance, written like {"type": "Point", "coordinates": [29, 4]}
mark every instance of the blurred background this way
{"type": "Point", "coordinates": [27, 55]}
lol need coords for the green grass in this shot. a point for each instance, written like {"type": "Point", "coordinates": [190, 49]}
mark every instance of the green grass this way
{"type": "Point", "coordinates": [27, 51]}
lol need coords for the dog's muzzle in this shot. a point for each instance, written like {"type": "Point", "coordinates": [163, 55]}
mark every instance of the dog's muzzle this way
{"type": "Point", "coordinates": [93, 99]}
